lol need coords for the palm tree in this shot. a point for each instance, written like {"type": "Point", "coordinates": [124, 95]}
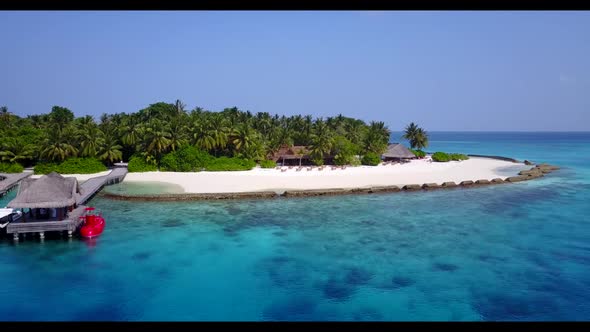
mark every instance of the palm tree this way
{"type": "Point", "coordinates": [179, 107]}
{"type": "Point", "coordinates": [421, 139]}
{"type": "Point", "coordinates": [90, 138]}
{"type": "Point", "coordinates": [129, 131]}
{"type": "Point", "coordinates": [163, 127]}
{"type": "Point", "coordinates": [417, 136]}
{"type": "Point", "coordinates": [321, 141]}
{"type": "Point", "coordinates": [218, 130]}
{"type": "Point", "coordinates": [243, 137]}
{"type": "Point", "coordinates": [110, 150]}
{"type": "Point", "coordinates": [86, 120]}
{"type": "Point", "coordinates": [354, 131]}
{"type": "Point", "coordinates": [377, 137]}
{"type": "Point", "coordinates": [57, 146]}
{"type": "Point", "coordinates": [14, 151]}
{"type": "Point", "coordinates": [410, 133]}
{"type": "Point", "coordinates": [157, 138]}
{"type": "Point", "coordinates": [5, 115]}
{"type": "Point", "coordinates": [177, 130]}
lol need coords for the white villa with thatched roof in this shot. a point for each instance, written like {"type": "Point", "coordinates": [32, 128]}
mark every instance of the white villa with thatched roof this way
{"type": "Point", "coordinates": [55, 203]}
{"type": "Point", "coordinates": [50, 197]}
{"type": "Point", "coordinates": [396, 151]}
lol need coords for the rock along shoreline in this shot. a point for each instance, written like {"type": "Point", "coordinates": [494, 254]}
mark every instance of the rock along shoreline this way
{"type": "Point", "coordinates": [535, 172]}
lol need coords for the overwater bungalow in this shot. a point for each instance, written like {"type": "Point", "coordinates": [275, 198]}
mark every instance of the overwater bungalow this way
{"type": "Point", "coordinates": [397, 152]}
{"type": "Point", "coordinates": [49, 198]}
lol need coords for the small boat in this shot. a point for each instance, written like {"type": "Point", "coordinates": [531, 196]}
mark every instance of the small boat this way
{"type": "Point", "coordinates": [93, 223]}
{"type": "Point", "coordinates": [9, 215]}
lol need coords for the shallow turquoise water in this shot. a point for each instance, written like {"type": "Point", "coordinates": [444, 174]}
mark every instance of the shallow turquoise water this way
{"type": "Point", "coordinates": [144, 188]}
{"type": "Point", "coordinates": [506, 252]}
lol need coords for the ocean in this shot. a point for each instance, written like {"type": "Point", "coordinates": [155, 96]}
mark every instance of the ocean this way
{"type": "Point", "coordinates": [514, 252]}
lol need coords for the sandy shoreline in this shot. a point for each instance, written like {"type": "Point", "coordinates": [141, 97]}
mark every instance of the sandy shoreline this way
{"type": "Point", "coordinates": [79, 177]}
{"type": "Point", "coordinates": [415, 172]}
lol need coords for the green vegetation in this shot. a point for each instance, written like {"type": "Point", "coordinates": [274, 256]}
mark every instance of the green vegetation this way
{"type": "Point", "coordinates": [267, 164]}
{"type": "Point", "coordinates": [417, 136]}
{"type": "Point", "coordinates": [11, 168]}
{"type": "Point", "coordinates": [72, 166]}
{"type": "Point", "coordinates": [444, 157]}
{"type": "Point", "coordinates": [139, 164]}
{"type": "Point", "coordinates": [162, 129]}
{"type": "Point", "coordinates": [230, 164]}
{"type": "Point", "coordinates": [458, 156]}
{"type": "Point", "coordinates": [45, 168]}
{"type": "Point", "coordinates": [418, 153]}
{"type": "Point", "coordinates": [344, 151]}
{"type": "Point", "coordinates": [185, 159]}
{"type": "Point", "coordinates": [371, 159]}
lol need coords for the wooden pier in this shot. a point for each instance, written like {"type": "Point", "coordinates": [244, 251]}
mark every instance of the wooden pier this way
{"type": "Point", "coordinates": [10, 180]}
{"type": "Point", "coordinates": [92, 186]}
{"type": "Point", "coordinates": [87, 190]}
{"type": "Point", "coordinates": [70, 225]}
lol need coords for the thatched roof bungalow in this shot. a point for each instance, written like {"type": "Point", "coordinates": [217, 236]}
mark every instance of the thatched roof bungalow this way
{"type": "Point", "coordinates": [397, 151]}
{"type": "Point", "coordinates": [49, 191]}
{"type": "Point", "coordinates": [292, 155]}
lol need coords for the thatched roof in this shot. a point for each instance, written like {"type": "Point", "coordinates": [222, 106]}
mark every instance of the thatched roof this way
{"type": "Point", "coordinates": [293, 152]}
{"type": "Point", "coordinates": [49, 191]}
{"type": "Point", "coordinates": [396, 150]}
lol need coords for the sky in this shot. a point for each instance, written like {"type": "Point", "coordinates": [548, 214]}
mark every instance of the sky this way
{"type": "Point", "coordinates": [445, 70]}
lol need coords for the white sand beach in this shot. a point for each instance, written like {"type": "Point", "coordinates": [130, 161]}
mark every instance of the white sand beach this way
{"type": "Point", "coordinates": [414, 172]}
{"type": "Point", "coordinates": [79, 177]}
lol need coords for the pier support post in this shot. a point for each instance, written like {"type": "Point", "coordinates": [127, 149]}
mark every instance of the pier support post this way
{"type": "Point", "coordinates": [70, 233]}
{"type": "Point", "coordinates": [15, 237]}
{"type": "Point", "coordinates": [41, 235]}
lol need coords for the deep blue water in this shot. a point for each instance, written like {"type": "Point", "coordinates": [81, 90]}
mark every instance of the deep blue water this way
{"type": "Point", "coordinates": [507, 252]}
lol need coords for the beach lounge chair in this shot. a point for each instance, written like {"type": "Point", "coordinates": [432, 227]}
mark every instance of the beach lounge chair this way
{"type": "Point", "coordinates": [310, 168]}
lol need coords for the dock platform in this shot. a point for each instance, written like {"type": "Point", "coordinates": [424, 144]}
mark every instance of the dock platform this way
{"type": "Point", "coordinates": [87, 190]}
{"type": "Point", "coordinates": [70, 225]}
{"type": "Point", "coordinates": [92, 186]}
{"type": "Point", "coordinates": [11, 180]}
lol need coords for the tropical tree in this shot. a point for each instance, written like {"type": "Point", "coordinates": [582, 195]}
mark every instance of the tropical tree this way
{"type": "Point", "coordinates": [130, 131]}
{"type": "Point", "coordinates": [90, 138]}
{"type": "Point", "coordinates": [218, 129]}
{"type": "Point", "coordinates": [417, 136]}
{"type": "Point", "coordinates": [57, 146]}
{"type": "Point", "coordinates": [157, 139]}
{"type": "Point", "coordinates": [377, 137]}
{"type": "Point", "coordinates": [110, 150]}
{"type": "Point", "coordinates": [164, 127]}
{"type": "Point", "coordinates": [61, 116]}
{"type": "Point", "coordinates": [177, 130]}
{"type": "Point", "coordinates": [243, 137]}
{"type": "Point", "coordinates": [321, 142]}
{"type": "Point", "coordinates": [179, 107]}
{"type": "Point", "coordinates": [5, 116]}
{"type": "Point", "coordinates": [13, 150]}
{"type": "Point", "coordinates": [344, 150]}
{"type": "Point", "coordinates": [421, 139]}
{"type": "Point", "coordinates": [201, 137]}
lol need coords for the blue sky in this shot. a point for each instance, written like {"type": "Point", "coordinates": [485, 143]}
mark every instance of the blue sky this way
{"type": "Point", "coordinates": [444, 70]}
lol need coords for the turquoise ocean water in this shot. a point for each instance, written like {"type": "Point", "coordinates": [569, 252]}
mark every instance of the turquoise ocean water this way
{"type": "Point", "coordinates": [508, 252]}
